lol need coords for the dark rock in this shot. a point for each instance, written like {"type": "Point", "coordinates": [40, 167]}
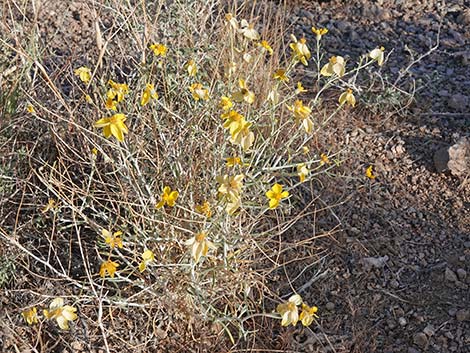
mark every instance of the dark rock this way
{"type": "Point", "coordinates": [461, 274]}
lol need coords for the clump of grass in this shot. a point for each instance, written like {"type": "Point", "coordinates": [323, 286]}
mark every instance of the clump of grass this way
{"type": "Point", "coordinates": [181, 156]}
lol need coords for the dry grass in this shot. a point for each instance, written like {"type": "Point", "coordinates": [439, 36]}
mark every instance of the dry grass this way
{"type": "Point", "coordinates": [225, 299]}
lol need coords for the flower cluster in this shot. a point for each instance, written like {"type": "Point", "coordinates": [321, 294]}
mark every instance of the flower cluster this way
{"type": "Point", "coordinates": [289, 312]}
{"type": "Point", "coordinates": [56, 311]}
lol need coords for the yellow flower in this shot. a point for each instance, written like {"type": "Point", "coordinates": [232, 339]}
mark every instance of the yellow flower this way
{"type": "Point", "coordinates": [84, 73]}
{"type": "Point", "coordinates": [230, 186]}
{"type": "Point", "coordinates": [159, 49]}
{"type": "Point", "coordinates": [88, 99]}
{"type": "Point", "coordinates": [30, 315]}
{"type": "Point", "coordinates": [113, 125]}
{"type": "Point", "coordinates": [198, 92]}
{"type": "Point", "coordinates": [233, 121]}
{"type": "Point", "coordinates": [377, 54]}
{"type": "Point", "coordinates": [243, 137]}
{"type": "Point", "coordinates": [117, 91]}
{"type": "Point", "coordinates": [109, 267]}
{"type": "Point", "coordinates": [324, 159]}
{"type": "Point", "coordinates": [231, 20]}
{"type": "Point", "coordinates": [289, 310]}
{"type": "Point", "coordinates": [305, 150]}
{"type": "Point", "coordinates": [232, 161]}
{"type": "Point", "coordinates": [191, 68]}
{"type": "Point", "coordinates": [199, 246]}
{"type": "Point", "coordinates": [111, 239]}
{"type": "Point", "coordinates": [300, 88]}
{"type": "Point", "coordinates": [347, 97]}
{"type": "Point", "coordinates": [60, 312]}
{"type": "Point", "coordinates": [369, 173]}
{"type": "Point", "coordinates": [205, 209]}
{"type": "Point", "coordinates": [300, 50]}
{"type": "Point", "coordinates": [319, 32]}
{"type": "Point", "coordinates": [111, 104]}
{"type": "Point", "coordinates": [302, 171]}
{"type": "Point", "coordinates": [168, 197]}
{"type": "Point", "coordinates": [308, 314]}
{"type": "Point", "coordinates": [30, 109]}
{"type": "Point", "coordinates": [248, 30]}
{"type": "Point", "coordinates": [149, 92]}
{"type": "Point", "coordinates": [265, 45]}
{"type": "Point", "coordinates": [147, 257]}
{"type": "Point", "coordinates": [301, 114]}
{"type": "Point", "coordinates": [244, 94]}
{"type": "Point", "coordinates": [225, 103]}
{"type": "Point", "coordinates": [280, 74]}
{"type": "Point", "coordinates": [51, 205]}
{"type": "Point", "coordinates": [233, 206]}
{"type": "Point", "coordinates": [275, 195]}
{"type": "Point", "coordinates": [336, 65]}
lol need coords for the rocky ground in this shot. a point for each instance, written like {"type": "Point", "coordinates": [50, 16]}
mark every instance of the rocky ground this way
{"type": "Point", "coordinates": [398, 279]}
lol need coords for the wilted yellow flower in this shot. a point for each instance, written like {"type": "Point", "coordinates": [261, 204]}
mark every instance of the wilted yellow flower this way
{"type": "Point", "coordinates": [302, 171]}
{"type": "Point", "coordinates": [274, 96]}
{"type": "Point", "coordinates": [347, 97]}
{"type": "Point", "coordinates": [117, 91]}
{"type": "Point", "coordinates": [243, 136]}
{"type": "Point", "coordinates": [319, 32]}
{"type": "Point", "coordinates": [168, 197]}
{"type": "Point", "coordinates": [30, 315]}
{"type": "Point", "coordinates": [199, 246]}
{"type": "Point", "coordinates": [84, 73]}
{"type": "Point", "coordinates": [205, 209]}
{"type": "Point", "coordinates": [231, 20]}
{"type": "Point", "coordinates": [280, 74]}
{"type": "Point", "coordinates": [230, 69]}
{"type": "Point", "coordinates": [305, 150]}
{"type": "Point", "coordinates": [199, 92]}
{"type": "Point", "coordinates": [289, 310]}
{"type": "Point", "coordinates": [113, 125]}
{"type": "Point", "coordinates": [60, 312]}
{"type": "Point", "coordinates": [147, 257]}
{"type": "Point", "coordinates": [300, 88]}
{"type": "Point", "coordinates": [233, 121]}
{"type": "Point", "coordinates": [336, 65]}
{"type": "Point", "coordinates": [159, 49]}
{"type": "Point", "coordinates": [265, 45]}
{"type": "Point", "coordinates": [369, 173]}
{"type": "Point", "coordinates": [275, 195]}
{"type": "Point", "coordinates": [249, 31]}
{"type": "Point", "coordinates": [233, 206]}
{"type": "Point", "coordinates": [30, 109]}
{"type": "Point", "coordinates": [111, 239]}
{"type": "Point", "coordinates": [191, 68]}
{"type": "Point", "coordinates": [300, 50]}
{"type": "Point", "coordinates": [377, 54]}
{"type": "Point", "coordinates": [244, 94]}
{"type": "Point", "coordinates": [308, 314]}
{"type": "Point", "coordinates": [108, 267]}
{"type": "Point", "coordinates": [324, 159]}
{"type": "Point", "coordinates": [225, 103]}
{"type": "Point", "coordinates": [149, 92]}
{"type": "Point", "coordinates": [51, 204]}
{"type": "Point", "coordinates": [232, 161]}
{"type": "Point", "coordinates": [301, 114]}
{"type": "Point", "coordinates": [230, 186]}
{"type": "Point", "coordinates": [88, 99]}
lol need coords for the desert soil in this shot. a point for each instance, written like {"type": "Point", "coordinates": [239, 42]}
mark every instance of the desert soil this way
{"type": "Point", "coordinates": [398, 271]}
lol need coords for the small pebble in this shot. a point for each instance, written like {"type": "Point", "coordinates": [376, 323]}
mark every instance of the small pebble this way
{"type": "Point", "coordinates": [330, 306]}
{"type": "Point", "coordinates": [462, 315]}
{"type": "Point", "coordinates": [420, 339]}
